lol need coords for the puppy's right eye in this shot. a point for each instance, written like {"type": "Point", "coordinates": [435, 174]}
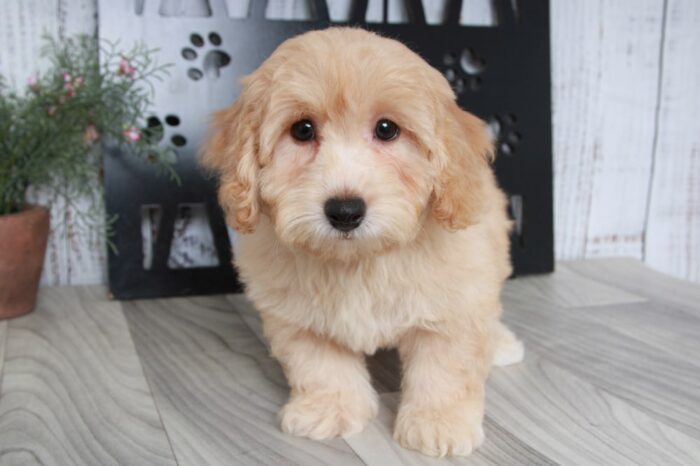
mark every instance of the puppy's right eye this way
{"type": "Point", "coordinates": [303, 130]}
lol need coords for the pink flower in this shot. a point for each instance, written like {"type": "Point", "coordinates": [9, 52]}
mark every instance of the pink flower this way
{"type": "Point", "coordinates": [131, 134]}
{"type": "Point", "coordinates": [67, 77]}
{"type": "Point", "coordinates": [33, 85]}
{"type": "Point", "coordinates": [51, 111]}
{"type": "Point", "coordinates": [90, 135]}
{"type": "Point", "coordinates": [70, 90]}
{"type": "Point", "coordinates": [125, 68]}
{"type": "Point", "coordinates": [71, 85]}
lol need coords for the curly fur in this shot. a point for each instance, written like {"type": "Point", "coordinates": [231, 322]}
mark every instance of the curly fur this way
{"type": "Point", "coordinates": [424, 270]}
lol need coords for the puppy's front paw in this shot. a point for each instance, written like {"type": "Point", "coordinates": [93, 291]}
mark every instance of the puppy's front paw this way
{"type": "Point", "coordinates": [454, 430]}
{"type": "Point", "coordinates": [326, 415]}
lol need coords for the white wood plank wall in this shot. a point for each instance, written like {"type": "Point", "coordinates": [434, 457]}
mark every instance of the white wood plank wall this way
{"type": "Point", "coordinates": [626, 131]}
{"type": "Point", "coordinates": [673, 220]}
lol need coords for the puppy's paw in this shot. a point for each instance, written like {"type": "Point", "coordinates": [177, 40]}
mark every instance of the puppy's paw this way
{"type": "Point", "coordinates": [507, 353]}
{"type": "Point", "coordinates": [326, 415]}
{"type": "Point", "coordinates": [509, 350]}
{"type": "Point", "coordinates": [453, 431]}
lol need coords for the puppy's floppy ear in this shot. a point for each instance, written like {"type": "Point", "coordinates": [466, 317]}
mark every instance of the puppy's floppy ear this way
{"type": "Point", "coordinates": [231, 151]}
{"type": "Point", "coordinates": [464, 152]}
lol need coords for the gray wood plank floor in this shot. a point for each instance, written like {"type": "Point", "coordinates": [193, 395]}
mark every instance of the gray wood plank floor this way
{"type": "Point", "coordinates": [3, 339]}
{"type": "Point", "coordinates": [73, 390]}
{"type": "Point", "coordinates": [611, 376]}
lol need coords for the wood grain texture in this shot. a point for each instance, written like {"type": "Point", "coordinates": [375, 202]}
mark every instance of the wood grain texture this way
{"type": "Point", "coordinates": [664, 384]}
{"type": "Point", "coordinates": [3, 339]}
{"type": "Point", "coordinates": [73, 389]}
{"type": "Point", "coordinates": [632, 276]}
{"type": "Point", "coordinates": [673, 227]}
{"type": "Point", "coordinates": [618, 371]}
{"type": "Point", "coordinates": [610, 377]}
{"type": "Point", "coordinates": [376, 446]}
{"type": "Point", "coordinates": [217, 389]}
{"type": "Point", "coordinates": [566, 289]}
{"type": "Point", "coordinates": [572, 420]}
{"type": "Point", "coordinates": [22, 23]}
{"type": "Point", "coordinates": [667, 329]}
{"type": "Point", "coordinates": [604, 86]}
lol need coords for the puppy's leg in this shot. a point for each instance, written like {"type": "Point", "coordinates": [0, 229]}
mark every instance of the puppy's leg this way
{"type": "Point", "coordinates": [331, 394]}
{"type": "Point", "coordinates": [508, 349]}
{"type": "Point", "coordinates": [442, 403]}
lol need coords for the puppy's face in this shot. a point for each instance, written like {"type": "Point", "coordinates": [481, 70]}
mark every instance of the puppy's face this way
{"type": "Point", "coordinates": [348, 142]}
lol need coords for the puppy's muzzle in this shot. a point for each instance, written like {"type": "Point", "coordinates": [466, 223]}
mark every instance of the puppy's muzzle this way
{"type": "Point", "coordinates": [345, 214]}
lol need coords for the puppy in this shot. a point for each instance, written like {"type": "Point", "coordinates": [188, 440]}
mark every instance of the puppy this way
{"type": "Point", "coordinates": [369, 218]}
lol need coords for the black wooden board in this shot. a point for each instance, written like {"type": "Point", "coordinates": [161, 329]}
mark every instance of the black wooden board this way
{"type": "Point", "coordinates": [500, 73]}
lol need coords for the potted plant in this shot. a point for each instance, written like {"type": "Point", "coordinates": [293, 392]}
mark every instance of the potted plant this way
{"type": "Point", "coordinates": [50, 137]}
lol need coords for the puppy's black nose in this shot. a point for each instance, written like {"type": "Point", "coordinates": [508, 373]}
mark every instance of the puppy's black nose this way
{"type": "Point", "coordinates": [345, 214]}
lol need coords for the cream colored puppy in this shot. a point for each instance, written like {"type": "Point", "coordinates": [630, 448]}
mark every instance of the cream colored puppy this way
{"type": "Point", "coordinates": [370, 218]}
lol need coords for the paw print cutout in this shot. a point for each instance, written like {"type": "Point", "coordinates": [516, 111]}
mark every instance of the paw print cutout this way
{"type": "Point", "coordinates": [155, 131]}
{"type": "Point", "coordinates": [504, 132]}
{"type": "Point", "coordinates": [464, 71]}
{"type": "Point", "coordinates": [213, 60]}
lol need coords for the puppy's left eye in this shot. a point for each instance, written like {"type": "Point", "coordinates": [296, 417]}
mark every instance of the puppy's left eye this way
{"type": "Point", "coordinates": [386, 130]}
{"type": "Point", "coordinates": [303, 130]}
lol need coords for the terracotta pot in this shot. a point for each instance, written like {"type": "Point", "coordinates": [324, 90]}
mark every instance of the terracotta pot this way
{"type": "Point", "coordinates": [23, 239]}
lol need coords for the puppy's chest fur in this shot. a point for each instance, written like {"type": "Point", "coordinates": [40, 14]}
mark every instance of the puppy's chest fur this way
{"type": "Point", "coordinates": [361, 310]}
{"type": "Point", "coordinates": [364, 306]}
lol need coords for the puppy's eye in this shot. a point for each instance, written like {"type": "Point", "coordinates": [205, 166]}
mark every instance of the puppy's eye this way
{"type": "Point", "coordinates": [386, 130]}
{"type": "Point", "coordinates": [303, 130]}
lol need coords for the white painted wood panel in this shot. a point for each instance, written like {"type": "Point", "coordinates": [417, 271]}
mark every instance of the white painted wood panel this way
{"type": "Point", "coordinates": [21, 26]}
{"type": "Point", "coordinates": [70, 259]}
{"type": "Point", "coordinates": [673, 229]}
{"type": "Point", "coordinates": [629, 64]}
{"type": "Point", "coordinates": [604, 81]}
{"type": "Point", "coordinates": [605, 90]}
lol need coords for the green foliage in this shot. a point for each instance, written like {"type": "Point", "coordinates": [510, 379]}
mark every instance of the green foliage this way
{"type": "Point", "coordinates": [50, 135]}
